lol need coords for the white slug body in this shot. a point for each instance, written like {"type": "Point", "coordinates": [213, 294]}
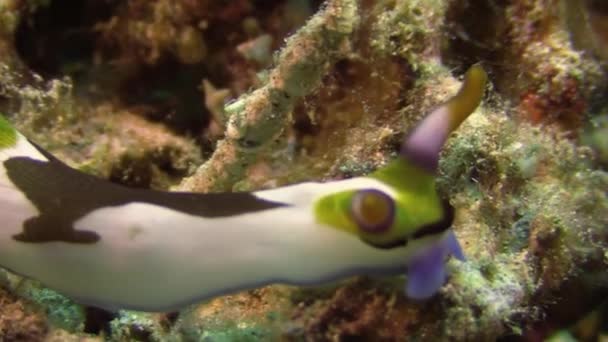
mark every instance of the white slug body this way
{"type": "Point", "coordinates": [152, 258]}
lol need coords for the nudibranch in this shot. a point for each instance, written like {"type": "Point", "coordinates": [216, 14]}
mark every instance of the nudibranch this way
{"type": "Point", "coordinates": [116, 247]}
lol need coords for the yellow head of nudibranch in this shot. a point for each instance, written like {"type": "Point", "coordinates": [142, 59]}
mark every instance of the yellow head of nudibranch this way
{"type": "Point", "coordinates": [406, 207]}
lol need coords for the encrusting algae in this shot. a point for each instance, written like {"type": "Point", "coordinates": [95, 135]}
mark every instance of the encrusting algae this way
{"type": "Point", "coordinates": [141, 102]}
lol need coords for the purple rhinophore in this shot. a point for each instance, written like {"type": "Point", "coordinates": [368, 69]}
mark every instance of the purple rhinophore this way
{"type": "Point", "coordinates": [423, 145]}
{"type": "Point", "coordinates": [453, 246]}
{"type": "Point", "coordinates": [426, 271]}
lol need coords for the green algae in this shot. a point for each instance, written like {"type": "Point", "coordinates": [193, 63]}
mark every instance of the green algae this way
{"type": "Point", "coordinates": [137, 326]}
{"type": "Point", "coordinates": [241, 332]}
{"type": "Point", "coordinates": [60, 311]}
{"type": "Point", "coordinates": [596, 136]}
{"type": "Point", "coordinates": [8, 136]}
{"type": "Point", "coordinates": [266, 327]}
{"type": "Point", "coordinates": [536, 212]}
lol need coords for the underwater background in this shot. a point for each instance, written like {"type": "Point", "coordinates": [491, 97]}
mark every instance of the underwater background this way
{"type": "Point", "coordinates": [140, 92]}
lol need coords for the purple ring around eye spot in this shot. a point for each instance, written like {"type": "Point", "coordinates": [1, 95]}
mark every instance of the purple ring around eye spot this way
{"type": "Point", "coordinates": [367, 227]}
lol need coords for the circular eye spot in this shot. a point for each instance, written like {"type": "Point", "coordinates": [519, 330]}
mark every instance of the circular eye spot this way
{"type": "Point", "coordinates": [373, 210]}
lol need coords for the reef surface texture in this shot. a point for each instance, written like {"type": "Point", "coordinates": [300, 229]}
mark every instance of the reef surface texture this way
{"type": "Point", "coordinates": [246, 94]}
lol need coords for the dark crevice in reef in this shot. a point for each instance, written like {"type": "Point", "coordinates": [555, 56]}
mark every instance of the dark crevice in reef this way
{"type": "Point", "coordinates": [600, 6]}
{"type": "Point", "coordinates": [168, 92]}
{"type": "Point", "coordinates": [475, 31]}
{"type": "Point", "coordinates": [560, 308]}
{"type": "Point", "coordinates": [169, 319]}
{"type": "Point", "coordinates": [142, 170]}
{"type": "Point", "coordinates": [97, 320]}
{"type": "Point", "coordinates": [60, 37]}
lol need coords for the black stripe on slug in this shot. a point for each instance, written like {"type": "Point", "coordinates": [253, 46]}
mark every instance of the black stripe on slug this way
{"type": "Point", "coordinates": [439, 227]}
{"type": "Point", "coordinates": [63, 195]}
{"type": "Point", "coordinates": [390, 245]}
